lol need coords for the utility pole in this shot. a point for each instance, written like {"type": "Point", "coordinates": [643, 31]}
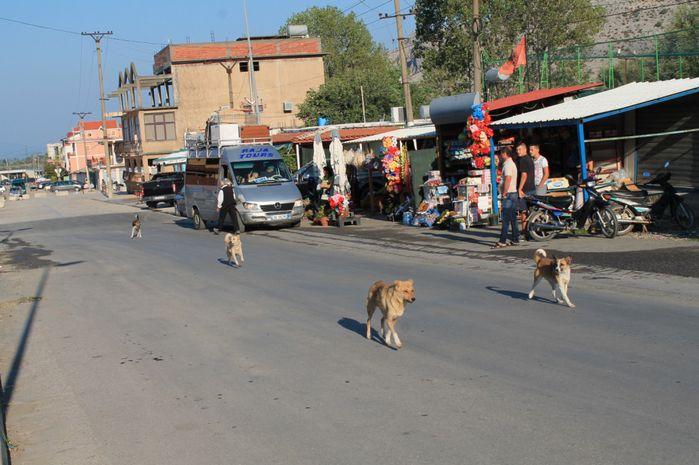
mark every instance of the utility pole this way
{"type": "Point", "coordinates": [477, 65]}
{"type": "Point", "coordinates": [97, 37]}
{"type": "Point", "coordinates": [361, 91]}
{"type": "Point", "coordinates": [251, 67]}
{"type": "Point", "coordinates": [229, 71]}
{"type": "Point", "coordinates": [82, 115]}
{"type": "Point", "coordinates": [403, 59]}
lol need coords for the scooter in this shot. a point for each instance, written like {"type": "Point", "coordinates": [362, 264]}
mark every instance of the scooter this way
{"type": "Point", "coordinates": [648, 205]}
{"type": "Point", "coordinates": [548, 218]}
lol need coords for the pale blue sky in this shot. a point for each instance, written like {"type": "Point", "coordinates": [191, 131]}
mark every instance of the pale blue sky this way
{"type": "Point", "coordinates": [47, 75]}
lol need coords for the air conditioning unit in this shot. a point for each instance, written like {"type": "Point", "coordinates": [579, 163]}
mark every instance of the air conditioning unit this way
{"type": "Point", "coordinates": [288, 107]}
{"type": "Point", "coordinates": [424, 111]}
{"type": "Point", "coordinates": [297, 30]}
{"type": "Point", "coordinates": [397, 114]}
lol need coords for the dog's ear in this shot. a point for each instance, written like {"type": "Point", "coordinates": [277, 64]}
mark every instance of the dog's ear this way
{"type": "Point", "coordinates": [410, 283]}
{"type": "Point", "coordinates": [398, 284]}
{"type": "Point", "coordinates": [569, 259]}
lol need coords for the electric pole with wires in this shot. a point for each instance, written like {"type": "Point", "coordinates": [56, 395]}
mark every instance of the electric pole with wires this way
{"type": "Point", "coordinates": [97, 37]}
{"type": "Point", "coordinates": [403, 59]}
{"type": "Point", "coordinates": [82, 115]}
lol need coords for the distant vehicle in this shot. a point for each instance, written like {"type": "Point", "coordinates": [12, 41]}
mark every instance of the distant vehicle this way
{"type": "Point", "coordinates": [162, 188]}
{"type": "Point", "coordinates": [308, 175]}
{"type": "Point", "coordinates": [65, 186]}
{"type": "Point", "coordinates": [17, 191]}
{"type": "Point", "coordinates": [43, 183]}
{"type": "Point", "coordinates": [180, 205]}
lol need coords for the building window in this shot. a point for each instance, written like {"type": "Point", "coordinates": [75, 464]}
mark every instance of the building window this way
{"type": "Point", "coordinates": [159, 126]}
{"type": "Point", "coordinates": [244, 66]}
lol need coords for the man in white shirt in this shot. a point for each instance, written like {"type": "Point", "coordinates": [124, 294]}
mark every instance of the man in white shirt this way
{"type": "Point", "coordinates": [509, 199]}
{"type": "Point", "coordinates": [541, 169]}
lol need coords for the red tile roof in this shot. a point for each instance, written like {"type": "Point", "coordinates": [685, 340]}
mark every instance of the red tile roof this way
{"type": "Point", "coordinates": [287, 137]}
{"type": "Point", "coordinates": [267, 48]}
{"type": "Point", "coordinates": [537, 95]}
{"type": "Point", "coordinates": [94, 125]}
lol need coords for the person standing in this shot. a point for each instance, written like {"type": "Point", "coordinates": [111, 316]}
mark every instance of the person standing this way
{"type": "Point", "coordinates": [226, 206]}
{"type": "Point", "coordinates": [509, 198]}
{"type": "Point", "coordinates": [526, 186]}
{"type": "Point", "coordinates": [541, 169]}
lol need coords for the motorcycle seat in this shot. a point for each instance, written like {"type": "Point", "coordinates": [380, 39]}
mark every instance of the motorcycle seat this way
{"type": "Point", "coordinates": [558, 201]}
{"type": "Point", "coordinates": [631, 194]}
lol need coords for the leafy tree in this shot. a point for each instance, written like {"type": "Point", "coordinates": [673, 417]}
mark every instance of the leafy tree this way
{"type": "Point", "coordinates": [445, 43]}
{"type": "Point", "coordinates": [352, 60]}
{"type": "Point", "coordinates": [686, 18]}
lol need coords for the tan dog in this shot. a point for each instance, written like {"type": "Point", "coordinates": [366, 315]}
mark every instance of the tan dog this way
{"type": "Point", "coordinates": [556, 271]}
{"type": "Point", "coordinates": [234, 248]}
{"type": "Point", "coordinates": [391, 300]}
{"type": "Point", "coordinates": [136, 227]}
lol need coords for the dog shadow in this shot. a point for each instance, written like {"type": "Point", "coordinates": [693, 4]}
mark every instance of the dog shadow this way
{"type": "Point", "coordinates": [519, 295]}
{"type": "Point", "coordinates": [360, 328]}
{"type": "Point", "coordinates": [224, 261]}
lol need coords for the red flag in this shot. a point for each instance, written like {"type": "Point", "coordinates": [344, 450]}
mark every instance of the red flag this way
{"type": "Point", "coordinates": [517, 59]}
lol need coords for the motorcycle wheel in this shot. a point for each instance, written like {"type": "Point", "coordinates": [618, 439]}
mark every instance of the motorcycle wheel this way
{"type": "Point", "coordinates": [534, 231]}
{"type": "Point", "coordinates": [623, 212]}
{"type": "Point", "coordinates": [684, 216]}
{"type": "Point", "coordinates": [606, 222]}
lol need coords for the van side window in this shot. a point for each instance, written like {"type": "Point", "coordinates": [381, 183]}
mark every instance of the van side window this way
{"type": "Point", "coordinates": [225, 172]}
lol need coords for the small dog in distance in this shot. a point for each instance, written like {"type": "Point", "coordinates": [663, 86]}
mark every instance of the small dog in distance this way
{"type": "Point", "coordinates": [136, 227]}
{"type": "Point", "coordinates": [554, 270]}
{"type": "Point", "coordinates": [390, 299]}
{"type": "Point", "coordinates": [234, 248]}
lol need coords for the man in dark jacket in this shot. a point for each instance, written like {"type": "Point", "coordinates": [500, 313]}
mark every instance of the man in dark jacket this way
{"type": "Point", "coordinates": [226, 206]}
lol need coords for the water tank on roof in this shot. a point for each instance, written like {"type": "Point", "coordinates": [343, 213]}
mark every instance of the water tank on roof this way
{"type": "Point", "coordinates": [297, 30]}
{"type": "Point", "coordinates": [397, 115]}
{"type": "Point", "coordinates": [453, 109]}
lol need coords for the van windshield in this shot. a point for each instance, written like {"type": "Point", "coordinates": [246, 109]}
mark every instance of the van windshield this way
{"type": "Point", "coordinates": [260, 172]}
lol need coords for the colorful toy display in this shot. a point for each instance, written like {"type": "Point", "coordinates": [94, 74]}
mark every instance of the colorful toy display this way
{"type": "Point", "coordinates": [393, 163]}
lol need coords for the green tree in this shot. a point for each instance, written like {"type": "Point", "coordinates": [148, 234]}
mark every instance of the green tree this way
{"type": "Point", "coordinates": [352, 60]}
{"type": "Point", "coordinates": [444, 39]}
{"type": "Point", "coordinates": [686, 19]}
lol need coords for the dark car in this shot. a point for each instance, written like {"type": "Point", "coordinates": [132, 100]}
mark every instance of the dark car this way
{"type": "Point", "coordinates": [308, 176]}
{"type": "Point", "coordinates": [162, 188]}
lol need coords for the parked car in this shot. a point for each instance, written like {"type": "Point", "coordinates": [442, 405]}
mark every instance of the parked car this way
{"type": "Point", "coordinates": [65, 186]}
{"type": "Point", "coordinates": [307, 177]}
{"type": "Point", "coordinates": [17, 191]}
{"type": "Point", "coordinates": [162, 188]}
{"type": "Point", "coordinates": [180, 205]}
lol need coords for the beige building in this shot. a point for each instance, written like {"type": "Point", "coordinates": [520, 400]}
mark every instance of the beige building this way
{"type": "Point", "coordinates": [192, 81]}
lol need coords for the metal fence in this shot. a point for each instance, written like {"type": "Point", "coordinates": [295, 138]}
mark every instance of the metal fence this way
{"type": "Point", "coordinates": [668, 55]}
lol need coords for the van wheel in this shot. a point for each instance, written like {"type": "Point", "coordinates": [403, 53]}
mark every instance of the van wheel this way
{"type": "Point", "coordinates": [239, 220]}
{"type": "Point", "coordinates": [198, 221]}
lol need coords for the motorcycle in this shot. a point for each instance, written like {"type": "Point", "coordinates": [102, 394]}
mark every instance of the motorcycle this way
{"type": "Point", "coordinates": [552, 215]}
{"type": "Point", "coordinates": [648, 205]}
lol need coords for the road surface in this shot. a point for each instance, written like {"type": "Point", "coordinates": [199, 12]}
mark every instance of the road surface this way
{"type": "Point", "coordinates": [153, 351]}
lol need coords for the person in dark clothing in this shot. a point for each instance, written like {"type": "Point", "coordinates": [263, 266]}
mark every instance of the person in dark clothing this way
{"type": "Point", "coordinates": [226, 206]}
{"type": "Point", "coordinates": [525, 185]}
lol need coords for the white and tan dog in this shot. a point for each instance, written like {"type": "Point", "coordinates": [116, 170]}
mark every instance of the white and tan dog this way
{"type": "Point", "coordinates": [136, 227]}
{"type": "Point", "coordinates": [234, 248]}
{"type": "Point", "coordinates": [554, 270]}
{"type": "Point", "coordinates": [391, 301]}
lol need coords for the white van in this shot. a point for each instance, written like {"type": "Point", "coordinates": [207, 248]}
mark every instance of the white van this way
{"type": "Point", "coordinates": [264, 188]}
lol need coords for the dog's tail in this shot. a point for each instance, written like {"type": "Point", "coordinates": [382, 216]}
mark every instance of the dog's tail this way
{"type": "Point", "coordinates": [228, 238]}
{"type": "Point", "coordinates": [539, 254]}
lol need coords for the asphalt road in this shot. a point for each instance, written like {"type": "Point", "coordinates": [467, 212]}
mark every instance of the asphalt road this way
{"type": "Point", "coordinates": [170, 357]}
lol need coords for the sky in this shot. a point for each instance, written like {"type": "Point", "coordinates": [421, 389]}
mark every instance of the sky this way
{"type": "Point", "coordinates": [46, 75]}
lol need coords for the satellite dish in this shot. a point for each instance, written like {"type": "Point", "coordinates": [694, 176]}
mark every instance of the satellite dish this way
{"type": "Point", "coordinates": [494, 75]}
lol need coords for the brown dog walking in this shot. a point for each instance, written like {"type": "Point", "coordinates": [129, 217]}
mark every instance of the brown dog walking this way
{"type": "Point", "coordinates": [391, 300]}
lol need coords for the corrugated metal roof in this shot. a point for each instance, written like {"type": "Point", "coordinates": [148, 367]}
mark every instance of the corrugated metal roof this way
{"type": "Point", "coordinates": [413, 132]}
{"type": "Point", "coordinates": [536, 95]}
{"type": "Point", "coordinates": [636, 93]}
{"type": "Point", "coordinates": [345, 134]}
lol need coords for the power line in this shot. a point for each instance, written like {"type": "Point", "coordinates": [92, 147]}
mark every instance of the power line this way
{"type": "Point", "coordinates": [354, 5]}
{"type": "Point", "coordinates": [65, 31]}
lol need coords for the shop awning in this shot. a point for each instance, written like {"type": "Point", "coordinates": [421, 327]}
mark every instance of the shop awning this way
{"type": "Point", "coordinates": [603, 104]}
{"type": "Point", "coordinates": [173, 159]}
{"type": "Point", "coordinates": [413, 132]}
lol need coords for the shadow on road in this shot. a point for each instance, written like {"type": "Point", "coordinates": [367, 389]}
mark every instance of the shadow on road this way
{"type": "Point", "coordinates": [518, 295]}
{"type": "Point", "coordinates": [360, 328]}
{"type": "Point", "coordinates": [16, 365]}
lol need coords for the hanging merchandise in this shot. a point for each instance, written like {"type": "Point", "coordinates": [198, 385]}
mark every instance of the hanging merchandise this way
{"type": "Point", "coordinates": [479, 129]}
{"type": "Point", "coordinates": [339, 203]}
{"type": "Point", "coordinates": [392, 162]}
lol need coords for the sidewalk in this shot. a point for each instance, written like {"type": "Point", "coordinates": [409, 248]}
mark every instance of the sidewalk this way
{"type": "Point", "coordinates": [653, 253]}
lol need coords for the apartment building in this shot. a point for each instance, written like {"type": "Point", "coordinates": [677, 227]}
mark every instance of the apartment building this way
{"type": "Point", "coordinates": [77, 152]}
{"type": "Point", "coordinates": [190, 82]}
